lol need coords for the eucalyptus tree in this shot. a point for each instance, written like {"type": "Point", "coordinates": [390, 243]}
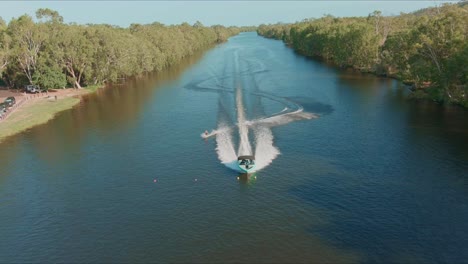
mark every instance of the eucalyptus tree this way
{"type": "Point", "coordinates": [53, 54]}
{"type": "Point", "coordinates": [5, 42]}
{"type": "Point", "coordinates": [221, 33]}
{"type": "Point", "coordinates": [150, 56]}
{"type": "Point", "coordinates": [76, 52]}
{"type": "Point", "coordinates": [106, 57]}
{"type": "Point", "coordinates": [439, 43]}
{"type": "Point", "coordinates": [49, 72]}
{"type": "Point", "coordinates": [27, 40]}
{"type": "Point", "coordinates": [427, 48]}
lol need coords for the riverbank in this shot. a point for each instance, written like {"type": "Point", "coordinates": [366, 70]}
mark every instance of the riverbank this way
{"type": "Point", "coordinates": [420, 91]}
{"type": "Point", "coordinates": [425, 49]}
{"type": "Point", "coordinates": [39, 109]}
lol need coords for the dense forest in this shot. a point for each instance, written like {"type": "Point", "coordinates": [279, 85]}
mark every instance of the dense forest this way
{"type": "Point", "coordinates": [427, 48]}
{"type": "Point", "coordinates": [47, 52]}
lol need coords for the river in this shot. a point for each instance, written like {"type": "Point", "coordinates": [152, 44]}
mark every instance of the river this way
{"type": "Point", "coordinates": [349, 169]}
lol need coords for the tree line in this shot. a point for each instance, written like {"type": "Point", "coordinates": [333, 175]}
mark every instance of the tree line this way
{"type": "Point", "coordinates": [47, 52]}
{"type": "Point", "coordinates": [427, 48]}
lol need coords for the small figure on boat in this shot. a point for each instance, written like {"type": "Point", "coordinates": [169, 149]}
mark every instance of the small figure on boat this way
{"type": "Point", "coordinates": [246, 163]}
{"type": "Point", "coordinates": [206, 132]}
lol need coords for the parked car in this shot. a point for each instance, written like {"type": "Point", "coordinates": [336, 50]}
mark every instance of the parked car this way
{"type": "Point", "coordinates": [10, 101]}
{"type": "Point", "coordinates": [3, 107]}
{"type": "Point", "coordinates": [32, 88]}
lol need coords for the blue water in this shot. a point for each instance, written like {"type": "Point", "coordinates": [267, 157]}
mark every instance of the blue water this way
{"type": "Point", "coordinates": [360, 174]}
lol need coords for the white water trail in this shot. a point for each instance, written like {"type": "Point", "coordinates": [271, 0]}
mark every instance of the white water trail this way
{"type": "Point", "coordinates": [244, 143]}
{"type": "Point", "coordinates": [225, 148]}
{"type": "Point", "coordinates": [265, 151]}
{"type": "Point", "coordinates": [283, 119]}
{"type": "Point", "coordinates": [224, 142]}
{"type": "Point", "coordinates": [214, 132]}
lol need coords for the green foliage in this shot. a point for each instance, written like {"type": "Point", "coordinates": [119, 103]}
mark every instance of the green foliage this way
{"type": "Point", "coordinates": [49, 77]}
{"type": "Point", "coordinates": [247, 29]}
{"type": "Point", "coordinates": [53, 16]}
{"type": "Point", "coordinates": [4, 46]}
{"type": "Point", "coordinates": [348, 42]}
{"type": "Point", "coordinates": [93, 88]}
{"type": "Point", "coordinates": [420, 95]}
{"type": "Point", "coordinates": [427, 48]}
{"type": "Point", "coordinates": [48, 52]}
{"type": "Point", "coordinates": [27, 40]}
{"type": "Point", "coordinates": [30, 115]}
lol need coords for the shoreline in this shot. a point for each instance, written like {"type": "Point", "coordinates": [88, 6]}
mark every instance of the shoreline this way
{"type": "Point", "coordinates": [417, 93]}
{"type": "Point", "coordinates": [37, 110]}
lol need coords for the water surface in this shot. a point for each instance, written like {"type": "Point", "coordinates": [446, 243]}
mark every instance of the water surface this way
{"type": "Point", "coordinates": [125, 176]}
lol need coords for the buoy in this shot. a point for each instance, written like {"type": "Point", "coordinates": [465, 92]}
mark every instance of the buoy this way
{"type": "Point", "coordinates": [196, 180]}
{"type": "Point", "coordinates": [155, 180]}
{"type": "Point", "coordinates": [237, 177]}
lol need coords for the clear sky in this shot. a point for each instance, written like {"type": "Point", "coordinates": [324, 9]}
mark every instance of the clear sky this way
{"type": "Point", "coordinates": [239, 13]}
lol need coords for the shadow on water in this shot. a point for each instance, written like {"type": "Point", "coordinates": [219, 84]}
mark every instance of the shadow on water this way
{"type": "Point", "coordinates": [426, 122]}
{"type": "Point", "coordinates": [444, 124]}
{"type": "Point", "coordinates": [396, 195]}
{"type": "Point", "coordinates": [311, 105]}
{"type": "Point", "coordinates": [247, 178]}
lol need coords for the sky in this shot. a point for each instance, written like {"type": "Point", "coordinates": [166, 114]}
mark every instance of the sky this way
{"type": "Point", "coordinates": [235, 13]}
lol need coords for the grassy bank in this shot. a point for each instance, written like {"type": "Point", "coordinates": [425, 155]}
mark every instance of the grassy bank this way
{"type": "Point", "coordinates": [39, 111]}
{"type": "Point", "coordinates": [34, 113]}
{"type": "Point", "coordinates": [92, 88]}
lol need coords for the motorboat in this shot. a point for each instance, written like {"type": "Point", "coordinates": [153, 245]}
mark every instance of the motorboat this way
{"type": "Point", "coordinates": [246, 163]}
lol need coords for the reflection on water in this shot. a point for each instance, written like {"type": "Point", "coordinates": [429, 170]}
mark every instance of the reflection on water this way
{"type": "Point", "coordinates": [247, 178]}
{"type": "Point", "coordinates": [114, 107]}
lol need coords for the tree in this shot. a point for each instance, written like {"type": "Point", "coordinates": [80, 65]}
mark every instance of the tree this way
{"type": "Point", "coordinates": [47, 51]}
{"type": "Point", "coordinates": [76, 53]}
{"type": "Point", "coordinates": [49, 77]}
{"type": "Point", "coordinates": [26, 43]}
{"type": "Point", "coordinates": [4, 46]}
{"type": "Point", "coordinates": [47, 13]}
{"type": "Point", "coordinates": [198, 24]}
{"type": "Point", "coordinates": [427, 48]}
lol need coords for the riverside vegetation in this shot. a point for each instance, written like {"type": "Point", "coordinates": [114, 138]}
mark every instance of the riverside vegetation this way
{"type": "Point", "coordinates": [427, 49]}
{"type": "Point", "coordinates": [52, 54]}
{"type": "Point", "coordinates": [49, 53]}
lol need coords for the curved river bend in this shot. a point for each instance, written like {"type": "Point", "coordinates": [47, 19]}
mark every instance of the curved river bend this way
{"type": "Point", "coordinates": [349, 170]}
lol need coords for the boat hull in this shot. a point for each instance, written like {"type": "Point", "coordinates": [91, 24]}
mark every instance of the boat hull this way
{"type": "Point", "coordinates": [243, 168]}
